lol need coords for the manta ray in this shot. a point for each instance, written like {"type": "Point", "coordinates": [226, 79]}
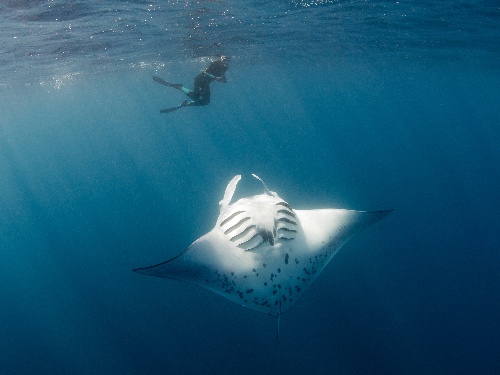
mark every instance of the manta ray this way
{"type": "Point", "coordinates": [262, 253]}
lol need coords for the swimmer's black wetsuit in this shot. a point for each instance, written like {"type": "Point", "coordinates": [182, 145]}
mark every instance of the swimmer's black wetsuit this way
{"type": "Point", "coordinates": [201, 93]}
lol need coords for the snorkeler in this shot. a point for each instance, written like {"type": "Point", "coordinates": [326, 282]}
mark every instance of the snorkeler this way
{"type": "Point", "coordinates": [201, 93]}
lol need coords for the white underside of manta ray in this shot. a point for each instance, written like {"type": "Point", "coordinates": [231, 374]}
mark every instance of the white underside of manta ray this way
{"type": "Point", "coordinates": [262, 254]}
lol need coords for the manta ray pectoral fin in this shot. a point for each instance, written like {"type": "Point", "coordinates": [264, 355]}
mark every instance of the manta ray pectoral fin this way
{"type": "Point", "coordinates": [216, 264]}
{"type": "Point", "coordinates": [163, 270]}
{"type": "Point", "coordinates": [188, 265]}
{"type": "Point", "coordinates": [334, 226]}
{"type": "Point", "coordinates": [209, 253]}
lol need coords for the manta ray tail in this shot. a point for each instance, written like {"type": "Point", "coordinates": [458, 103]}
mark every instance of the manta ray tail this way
{"type": "Point", "coordinates": [278, 333]}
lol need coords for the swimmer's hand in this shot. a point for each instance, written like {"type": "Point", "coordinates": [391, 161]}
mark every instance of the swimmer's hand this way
{"type": "Point", "coordinates": [221, 79]}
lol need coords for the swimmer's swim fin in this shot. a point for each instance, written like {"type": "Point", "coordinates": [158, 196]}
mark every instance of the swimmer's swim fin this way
{"type": "Point", "coordinates": [163, 82]}
{"type": "Point", "coordinates": [168, 110]}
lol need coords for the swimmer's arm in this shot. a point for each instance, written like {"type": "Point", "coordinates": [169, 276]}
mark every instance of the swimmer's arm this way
{"type": "Point", "coordinates": [218, 79]}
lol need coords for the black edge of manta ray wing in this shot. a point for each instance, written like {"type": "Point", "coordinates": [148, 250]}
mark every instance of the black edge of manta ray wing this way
{"type": "Point", "coordinates": [155, 269]}
{"type": "Point", "coordinates": [369, 218]}
{"type": "Point", "coordinates": [380, 214]}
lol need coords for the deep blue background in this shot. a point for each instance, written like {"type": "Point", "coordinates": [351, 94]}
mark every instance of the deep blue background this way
{"type": "Point", "coordinates": [345, 104]}
{"type": "Point", "coordinates": [96, 182]}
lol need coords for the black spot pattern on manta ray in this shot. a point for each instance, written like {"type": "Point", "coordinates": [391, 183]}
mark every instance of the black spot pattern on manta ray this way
{"type": "Point", "coordinates": [226, 284]}
{"type": "Point", "coordinates": [282, 293]}
{"type": "Point", "coordinates": [315, 264]}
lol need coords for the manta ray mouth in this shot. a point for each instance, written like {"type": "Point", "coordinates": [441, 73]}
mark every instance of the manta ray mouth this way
{"type": "Point", "coordinates": [248, 230]}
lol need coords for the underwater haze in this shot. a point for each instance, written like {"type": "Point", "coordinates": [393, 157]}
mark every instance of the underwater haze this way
{"type": "Point", "coordinates": [364, 105]}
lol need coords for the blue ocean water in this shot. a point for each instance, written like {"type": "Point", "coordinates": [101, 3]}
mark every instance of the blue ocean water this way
{"type": "Point", "coordinates": [348, 104]}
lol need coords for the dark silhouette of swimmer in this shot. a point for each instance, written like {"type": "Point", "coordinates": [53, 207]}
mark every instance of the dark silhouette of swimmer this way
{"type": "Point", "coordinates": [201, 93]}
